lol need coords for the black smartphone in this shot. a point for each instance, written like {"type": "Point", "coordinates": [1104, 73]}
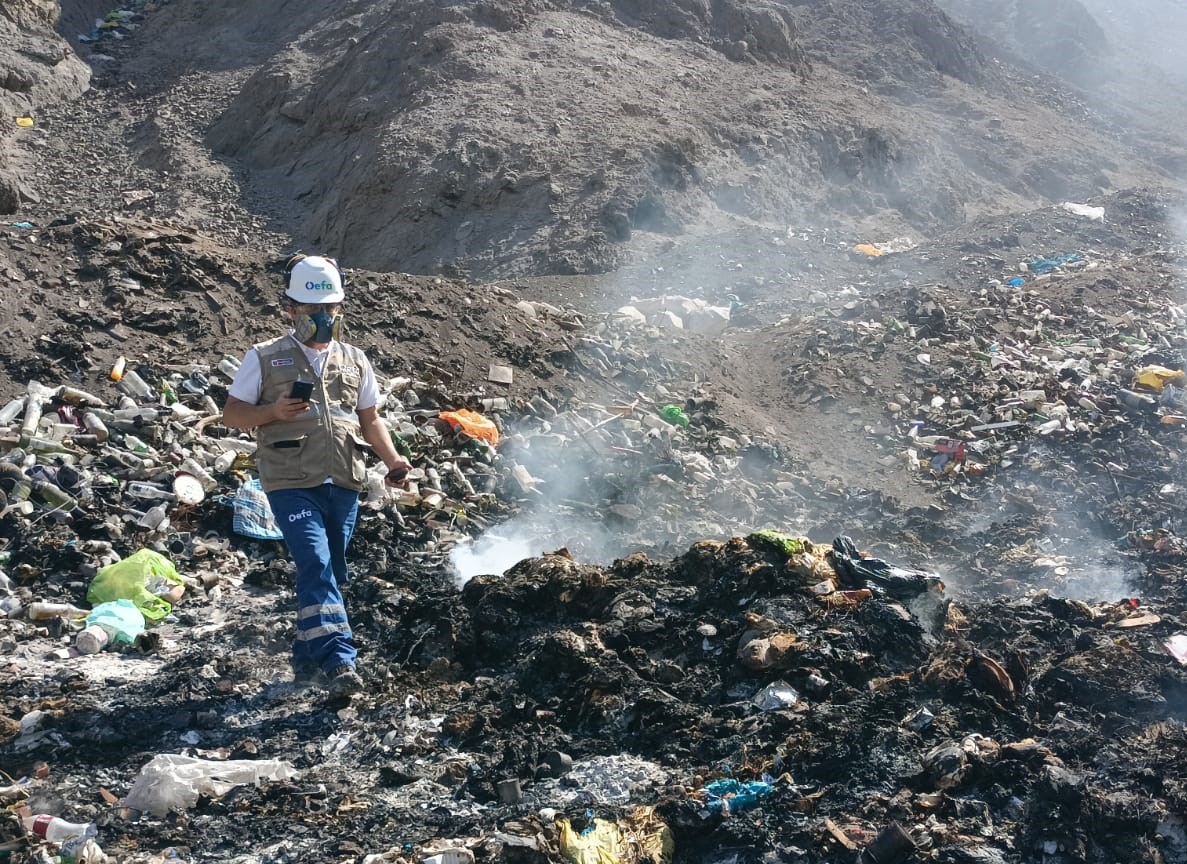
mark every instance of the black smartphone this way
{"type": "Point", "coordinates": [301, 390]}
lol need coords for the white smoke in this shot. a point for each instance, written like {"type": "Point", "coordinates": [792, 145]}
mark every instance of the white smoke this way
{"type": "Point", "coordinates": [495, 552]}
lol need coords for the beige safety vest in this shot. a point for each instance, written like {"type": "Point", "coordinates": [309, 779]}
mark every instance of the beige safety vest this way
{"type": "Point", "coordinates": [324, 441]}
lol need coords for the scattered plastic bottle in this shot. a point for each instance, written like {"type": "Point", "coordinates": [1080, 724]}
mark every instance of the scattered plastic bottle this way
{"type": "Point", "coordinates": [136, 415]}
{"type": "Point", "coordinates": [49, 494]}
{"type": "Point", "coordinates": [155, 519]}
{"type": "Point", "coordinates": [224, 461]}
{"type": "Point", "coordinates": [1136, 400]}
{"type": "Point", "coordinates": [117, 369]}
{"type": "Point", "coordinates": [229, 366]}
{"type": "Point", "coordinates": [149, 492]}
{"type": "Point", "coordinates": [37, 394]}
{"type": "Point", "coordinates": [95, 426]}
{"type": "Point", "coordinates": [134, 385]}
{"type": "Point", "coordinates": [57, 830]}
{"type": "Point", "coordinates": [136, 445]}
{"type": "Point", "coordinates": [191, 466]}
{"type": "Point", "coordinates": [49, 611]}
{"type": "Point", "coordinates": [11, 411]}
{"type": "Point", "coordinates": [38, 444]}
{"type": "Point", "coordinates": [78, 397]}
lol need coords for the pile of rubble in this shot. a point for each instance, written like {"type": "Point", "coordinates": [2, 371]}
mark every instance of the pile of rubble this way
{"type": "Point", "coordinates": [767, 697]}
{"type": "Point", "coordinates": [781, 695]}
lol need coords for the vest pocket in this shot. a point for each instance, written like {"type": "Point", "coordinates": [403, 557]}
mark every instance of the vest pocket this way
{"type": "Point", "coordinates": [281, 460]}
{"type": "Point", "coordinates": [346, 389]}
{"type": "Point", "coordinates": [280, 383]}
{"type": "Point", "coordinates": [358, 460]}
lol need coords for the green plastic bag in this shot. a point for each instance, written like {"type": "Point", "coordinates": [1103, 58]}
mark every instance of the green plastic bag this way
{"type": "Point", "coordinates": [675, 415]}
{"type": "Point", "coordinates": [141, 578]}
{"type": "Point", "coordinates": [777, 542]}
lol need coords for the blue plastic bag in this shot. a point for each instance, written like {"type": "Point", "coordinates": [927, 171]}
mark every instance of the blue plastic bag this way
{"type": "Point", "coordinates": [733, 796]}
{"type": "Point", "coordinates": [120, 618]}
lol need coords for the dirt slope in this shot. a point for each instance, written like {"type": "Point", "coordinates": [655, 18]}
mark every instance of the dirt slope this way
{"type": "Point", "coordinates": [36, 67]}
{"type": "Point", "coordinates": [513, 138]}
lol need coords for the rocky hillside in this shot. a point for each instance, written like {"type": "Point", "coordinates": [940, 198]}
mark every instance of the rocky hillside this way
{"type": "Point", "coordinates": [36, 67]}
{"type": "Point", "coordinates": [509, 138]}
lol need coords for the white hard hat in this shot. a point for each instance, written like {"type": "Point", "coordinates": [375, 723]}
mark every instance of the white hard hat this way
{"type": "Point", "coordinates": [314, 279]}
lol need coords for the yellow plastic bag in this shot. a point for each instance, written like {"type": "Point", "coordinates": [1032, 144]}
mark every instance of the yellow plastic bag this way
{"type": "Point", "coordinates": [868, 249]}
{"type": "Point", "coordinates": [602, 843]}
{"type": "Point", "coordinates": [24, 122]}
{"type": "Point", "coordinates": [144, 578]}
{"type": "Point", "coordinates": [473, 424]}
{"type": "Point", "coordinates": [1157, 377]}
{"type": "Point", "coordinates": [640, 838]}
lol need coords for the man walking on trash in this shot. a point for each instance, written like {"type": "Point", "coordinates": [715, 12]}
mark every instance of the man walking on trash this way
{"type": "Point", "coordinates": [309, 397]}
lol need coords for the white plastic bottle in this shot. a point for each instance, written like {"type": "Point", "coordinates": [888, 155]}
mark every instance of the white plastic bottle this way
{"type": "Point", "coordinates": [11, 411]}
{"type": "Point", "coordinates": [57, 830]}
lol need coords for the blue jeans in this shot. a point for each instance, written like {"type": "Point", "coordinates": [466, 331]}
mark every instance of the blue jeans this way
{"type": "Point", "coordinates": [317, 524]}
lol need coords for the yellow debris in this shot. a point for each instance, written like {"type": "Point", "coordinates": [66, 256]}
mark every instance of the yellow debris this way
{"type": "Point", "coordinates": [1157, 377]}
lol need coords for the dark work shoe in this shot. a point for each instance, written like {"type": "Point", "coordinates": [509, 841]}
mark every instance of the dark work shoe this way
{"type": "Point", "coordinates": [345, 681]}
{"type": "Point", "coordinates": [306, 676]}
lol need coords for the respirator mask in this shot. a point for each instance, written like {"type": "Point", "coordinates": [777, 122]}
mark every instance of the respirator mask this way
{"type": "Point", "coordinates": [320, 327]}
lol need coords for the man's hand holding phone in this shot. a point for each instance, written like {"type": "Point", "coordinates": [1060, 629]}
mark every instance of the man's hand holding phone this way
{"type": "Point", "coordinates": [296, 403]}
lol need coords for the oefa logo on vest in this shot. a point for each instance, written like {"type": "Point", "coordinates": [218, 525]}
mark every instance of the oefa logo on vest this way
{"type": "Point", "coordinates": [300, 514]}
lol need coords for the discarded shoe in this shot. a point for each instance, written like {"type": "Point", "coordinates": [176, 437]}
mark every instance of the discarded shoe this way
{"type": "Point", "coordinates": [345, 681]}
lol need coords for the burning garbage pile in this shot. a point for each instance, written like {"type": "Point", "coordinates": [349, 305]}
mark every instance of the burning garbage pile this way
{"type": "Point", "coordinates": [822, 689]}
{"type": "Point", "coordinates": [768, 695]}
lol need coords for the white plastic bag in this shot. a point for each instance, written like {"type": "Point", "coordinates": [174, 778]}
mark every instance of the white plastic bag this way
{"type": "Point", "coordinates": [174, 782]}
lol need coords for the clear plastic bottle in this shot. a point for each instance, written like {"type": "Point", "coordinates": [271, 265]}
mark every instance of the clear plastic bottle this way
{"type": "Point", "coordinates": [137, 414]}
{"type": "Point", "coordinates": [228, 366]}
{"type": "Point", "coordinates": [51, 495]}
{"type": "Point", "coordinates": [117, 369]}
{"type": "Point", "coordinates": [48, 611]}
{"type": "Point", "coordinates": [37, 444]}
{"type": "Point", "coordinates": [134, 385]}
{"type": "Point", "coordinates": [95, 426]}
{"type": "Point", "coordinates": [57, 830]}
{"type": "Point", "coordinates": [136, 445]}
{"type": "Point", "coordinates": [149, 492]}
{"type": "Point", "coordinates": [11, 411]}
{"type": "Point", "coordinates": [155, 519]}
{"type": "Point", "coordinates": [191, 466]}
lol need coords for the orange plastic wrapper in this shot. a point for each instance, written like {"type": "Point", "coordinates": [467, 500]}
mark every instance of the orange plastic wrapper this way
{"type": "Point", "coordinates": [473, 424]}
